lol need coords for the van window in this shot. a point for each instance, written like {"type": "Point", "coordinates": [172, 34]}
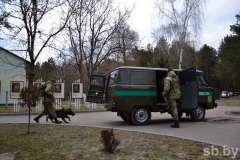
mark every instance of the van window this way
{"type": "Point", "coordinates": [142, 77]}
{"type": "Point", "coordinates": [201, 80]}
{"type": "Point", "coordinates": [112, 77]}
{"type": "Point", "coordinates": [96, 80]}
{"type": "Point", "coordinates": [122, 76]}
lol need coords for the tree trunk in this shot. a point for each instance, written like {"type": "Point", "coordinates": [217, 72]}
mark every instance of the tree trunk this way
{"type": "Point", "coordinates": [29, 119]}
{"type": "Point", "coordinates": [180, 60]}
{"type": "Point", "coordinates": [31, 75]}
{"type": "Point", "coordinates": [30, 85]}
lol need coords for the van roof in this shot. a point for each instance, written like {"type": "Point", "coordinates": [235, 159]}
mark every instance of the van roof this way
{"type": "Point", "coordinates": [149, 68]}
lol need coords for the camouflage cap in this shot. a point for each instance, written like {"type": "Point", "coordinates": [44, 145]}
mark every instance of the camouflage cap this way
{"type": "Point", "coordinates": [170, 69]}
{"type": "Point", "coordinates": [53, 80]}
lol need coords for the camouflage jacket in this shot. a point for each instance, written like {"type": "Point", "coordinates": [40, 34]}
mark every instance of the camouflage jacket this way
{"type": "Point", "coordinates": [168, 90]}
{"type": "Point", "coordinates": [49, 92]}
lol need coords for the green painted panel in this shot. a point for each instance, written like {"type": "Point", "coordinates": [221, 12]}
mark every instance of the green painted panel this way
{"type": "Point", "coordinates": [216, 93]}
{"type": "Point", "coordinates": [205, 93]}
{"type": "Point", "coordinates": [135, 93]}
{"type": "Point", "coordinates": [121, 93]}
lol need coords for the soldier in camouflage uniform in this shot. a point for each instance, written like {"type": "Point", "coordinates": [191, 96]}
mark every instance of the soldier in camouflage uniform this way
{"type": "Point", "coordinates": [172, 92]}
{"type": "Point", "coordinates": [48, 103]}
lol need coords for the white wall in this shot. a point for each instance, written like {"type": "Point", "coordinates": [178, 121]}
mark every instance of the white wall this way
{"type": "Point", "coordinates": [11, 69]}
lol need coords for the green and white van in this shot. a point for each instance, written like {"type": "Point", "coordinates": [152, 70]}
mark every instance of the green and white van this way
{"type": "Point", "coordinates": [135, 92]}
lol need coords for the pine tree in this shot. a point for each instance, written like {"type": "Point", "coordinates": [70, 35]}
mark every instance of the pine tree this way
{"type": "Point", "coordinates": [229, 54]}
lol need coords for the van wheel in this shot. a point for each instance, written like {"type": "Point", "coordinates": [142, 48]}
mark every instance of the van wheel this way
{"type": "Point", "coordinates": [141, 115]}
{"type": "Point", "coordinates": [123, 115]}
{"type": "Point", "coordinates": [198, 114]}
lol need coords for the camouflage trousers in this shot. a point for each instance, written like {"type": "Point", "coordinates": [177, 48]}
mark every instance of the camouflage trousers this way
{"type": "Point", "coordinates": [173, 106]}
{"type": "Point", "coordinates": [48, 109]}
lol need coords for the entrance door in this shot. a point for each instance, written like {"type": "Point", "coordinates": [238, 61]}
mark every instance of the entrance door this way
{"type": "Point", "coordinates": [96, 89]}
{"type": "Point", "coordinates": [188, 89]}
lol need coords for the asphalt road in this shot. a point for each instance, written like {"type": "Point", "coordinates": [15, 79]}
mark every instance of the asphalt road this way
{"type": "Point", "coordinates": [221, 134]}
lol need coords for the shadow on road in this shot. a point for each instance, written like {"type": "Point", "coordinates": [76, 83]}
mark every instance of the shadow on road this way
{"type": "Point", "coordinates": [167, 121]}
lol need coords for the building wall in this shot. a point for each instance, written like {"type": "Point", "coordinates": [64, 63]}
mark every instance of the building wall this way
{"type": "Point", "coordinates": [12, 70]}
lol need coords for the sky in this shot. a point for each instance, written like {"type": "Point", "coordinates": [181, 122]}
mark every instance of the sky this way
{"type": "Point", "coordinates": [218, 15]}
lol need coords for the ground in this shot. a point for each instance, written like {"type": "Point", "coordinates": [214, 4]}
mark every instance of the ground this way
{"type": "Point", "coordinates": [75, 142]}
{"type": "Point", "coordinates": [233, 101]}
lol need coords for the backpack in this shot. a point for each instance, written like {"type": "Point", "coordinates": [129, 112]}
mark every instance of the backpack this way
{"type": "Point", "coordinates": [176, 88]}
{"type": "Point", "coordinates": [175, 84]}
{"type": "Point", "coordinates": [42, 88]}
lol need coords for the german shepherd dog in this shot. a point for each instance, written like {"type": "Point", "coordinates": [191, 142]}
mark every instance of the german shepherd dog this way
{"type": "Point", "coordinates": [62, 113]}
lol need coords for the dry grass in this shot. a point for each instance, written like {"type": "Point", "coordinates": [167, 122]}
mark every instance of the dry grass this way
{"type": "Point", "coordinates": [73, 142]}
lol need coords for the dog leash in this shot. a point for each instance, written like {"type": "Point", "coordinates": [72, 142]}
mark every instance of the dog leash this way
{"type": "Point", "coordinates": [59, 105]}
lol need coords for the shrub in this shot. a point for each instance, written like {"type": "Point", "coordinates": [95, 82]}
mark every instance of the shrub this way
{"type": "Point", "coordinates": [109, 141]}
{"type": "Point", "coordinates": [29, 96]}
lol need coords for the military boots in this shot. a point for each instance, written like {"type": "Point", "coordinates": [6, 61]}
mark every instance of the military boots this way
{"type": "Point", "coordinates": [37, 119]}
{"type": "Point", "coordinates": [175, 125]}
{"type": "Point", "coordinates": [57, 121]}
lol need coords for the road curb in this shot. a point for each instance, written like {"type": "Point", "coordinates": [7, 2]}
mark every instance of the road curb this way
{"type": "Point", "coordinates": [7, 156]}
{"type": "Point", "coordinates": [37, 113]}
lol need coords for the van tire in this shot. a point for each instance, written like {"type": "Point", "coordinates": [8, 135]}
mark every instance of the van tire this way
{"type": "Point", "coordinates": [141, 115]}
{"type": "Point", "coordinates": [198, 114]}
{"type": "Point", "coordinates": [123, 115]}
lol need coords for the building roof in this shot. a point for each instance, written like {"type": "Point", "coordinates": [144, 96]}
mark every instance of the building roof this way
{"type": "Point", "coordinates": [14, 55]}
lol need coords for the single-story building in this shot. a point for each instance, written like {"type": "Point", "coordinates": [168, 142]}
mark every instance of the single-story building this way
{"type": "Point", "coordinates": [12, 76]}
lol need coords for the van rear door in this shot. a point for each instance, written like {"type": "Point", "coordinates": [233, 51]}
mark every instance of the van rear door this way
{"type": "Point", "coordinates": [96, 89]}
{"type": "Point", "coordinates": [188, 89]}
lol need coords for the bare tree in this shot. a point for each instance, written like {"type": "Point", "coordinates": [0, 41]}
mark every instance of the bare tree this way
{"type": "Point", "coordinates": [90, 31]}
{"type": "Point", "coordinates": [36, 25]}
{"type": "Point", "coordinates": [125, 41]}
{"type": "Point", "coordinates": [183, 19]}
{"type": "Point", "coordinates": [4, 17]}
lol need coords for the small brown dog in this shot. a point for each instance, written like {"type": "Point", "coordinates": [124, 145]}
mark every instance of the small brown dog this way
{"type": "Point", "coordinates": [62, 113]}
